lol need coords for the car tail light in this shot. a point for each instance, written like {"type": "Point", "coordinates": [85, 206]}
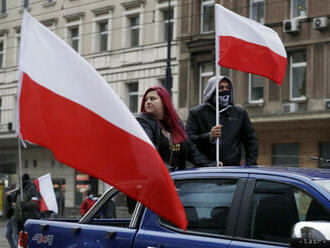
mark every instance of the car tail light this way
{"type": "Point", "coordinates": [23, 243]}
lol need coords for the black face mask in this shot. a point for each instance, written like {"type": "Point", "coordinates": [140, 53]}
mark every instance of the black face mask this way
{"type": "Point", "coordinates": [224, 98]}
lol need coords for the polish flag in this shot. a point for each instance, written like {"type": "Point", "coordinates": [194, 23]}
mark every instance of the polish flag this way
{"type": "Point", "coordinates": [45, 187]}
{"type": "Point", "coordinates": [245, 45]}
{"type": "Point", "coordinates": [67, 107]}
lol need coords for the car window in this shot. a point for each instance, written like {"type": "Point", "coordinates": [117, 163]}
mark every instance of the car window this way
{"type": "Point", "coordinates": [207, 203]}
{"type": "Point", "coordinates": [276, 207]}
{"type": "Point", "coordinates": [117, 210]}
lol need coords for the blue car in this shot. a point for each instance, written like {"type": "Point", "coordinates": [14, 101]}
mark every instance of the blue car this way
{"type": "Point", "coordinates": [226, 207]}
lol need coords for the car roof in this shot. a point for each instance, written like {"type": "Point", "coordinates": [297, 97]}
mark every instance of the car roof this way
{"type": "Point", "coordinates": [293, 172]}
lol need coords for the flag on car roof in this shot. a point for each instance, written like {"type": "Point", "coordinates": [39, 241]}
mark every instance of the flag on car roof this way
{"type": "Point", "coordinates": [246, 45]}
{"type": "Point", "coordinates": [67, 107]}
{"type": "Point", "coordinates": [45, 187]}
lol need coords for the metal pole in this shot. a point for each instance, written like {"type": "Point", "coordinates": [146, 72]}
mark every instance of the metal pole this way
{"type": "Point", "coordinates": [168, 80]}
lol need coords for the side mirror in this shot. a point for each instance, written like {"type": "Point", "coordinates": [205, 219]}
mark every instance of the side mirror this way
{"type": "Point", "coordinates": [311, 234]}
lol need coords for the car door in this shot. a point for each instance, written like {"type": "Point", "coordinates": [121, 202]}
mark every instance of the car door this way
{"type": "Point", "coordinates": [210, 205]}
{"type": "Point", "coordinates": [271, 206]}
{"type": "Point", "coordinates": [108, 223]}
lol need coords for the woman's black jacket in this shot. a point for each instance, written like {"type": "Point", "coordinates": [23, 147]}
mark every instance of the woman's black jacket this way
{"type": "Point", "coordinates": [174, 160]}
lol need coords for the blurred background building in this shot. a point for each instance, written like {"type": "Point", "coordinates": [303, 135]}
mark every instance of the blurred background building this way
{"type": "Point", "coordinates": [126, 41]}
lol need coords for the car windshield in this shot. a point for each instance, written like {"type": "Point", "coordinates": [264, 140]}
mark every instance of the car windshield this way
{"type": "Point", "coordinates": [324, 184]}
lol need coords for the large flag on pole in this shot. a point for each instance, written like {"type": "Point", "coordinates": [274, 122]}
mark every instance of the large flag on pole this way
{"type": "Point", "coordinates": [67, 107]}
{"type": "Point", "coordinates": [245, 45]}
{"type": "Point", "coordinates": [45, 187]}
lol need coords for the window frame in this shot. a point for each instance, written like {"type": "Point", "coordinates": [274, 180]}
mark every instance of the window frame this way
{"type": "Point", "coordinates": [133, 94]}
{"type": "Point", "coordinates": [292, 67]}
{"type": "Point", "coordinates": [133, 28]}
{"type": "Point", "coordinates": [285, 165]}
{"type": "Point", "coordinates": [292, 10]}
{"type": "Point", "coordinates": [73, 39]}
{"type": "Point", "coordinates": [205, 4]}
{"type": "Point", "coordinates": [17, 47]}
{"type": "Point", "coordinates": [101, 16]}
{"type": "Point", "coordinates": [3, 7]}
{"type": "Point", "coordinates": [26, 4]}
{"type": "Point", "coordinates": [320, 144]}
{"type": "Point", "coordinates": [252, 101]}
{"type": "Point", "coordinates": [232, 214]}
{"type": "Point", "coordinates": [244, 211]}
{"type": "Point", "coordinates": [101, 34]}
{"type": "Point", "coordinates": [168, 22]}
{"type": "Point", "coordinates": [251, 10]}
{"type": "Point", "coordinates": [2, 52]}
{"type": "Point", "coordinates": [202, 75]}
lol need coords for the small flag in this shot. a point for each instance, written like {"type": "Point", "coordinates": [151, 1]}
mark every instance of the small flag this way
{"type": "Point", "coordinates": [245, 45]}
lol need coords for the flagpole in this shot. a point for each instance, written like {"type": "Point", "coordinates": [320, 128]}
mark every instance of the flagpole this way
{"type": "Point", "coordinates": [20, 168]}
{"type": "Point", "coordinates": [217, 71]}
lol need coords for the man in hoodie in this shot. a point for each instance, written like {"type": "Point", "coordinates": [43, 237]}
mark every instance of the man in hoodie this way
{"type": "Point", "coordinates": [29, 207]}
{"type": "Point", "coordinates": [235, 126]}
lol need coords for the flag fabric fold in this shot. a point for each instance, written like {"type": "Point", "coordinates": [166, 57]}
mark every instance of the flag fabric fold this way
{"type": "Point", "coordinates": [45, 187]}
{"type": "Point", "coordinates": [67, 107]}
{"type": "Point", "coordinates": [246, 45]}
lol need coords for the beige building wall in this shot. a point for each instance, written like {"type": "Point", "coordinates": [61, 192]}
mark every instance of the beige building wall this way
{"type": "Point", "coordinates": [119, 64]}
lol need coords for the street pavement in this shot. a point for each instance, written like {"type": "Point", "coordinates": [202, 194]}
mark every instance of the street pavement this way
{"type": "Point", "coordinates": [3, 240]}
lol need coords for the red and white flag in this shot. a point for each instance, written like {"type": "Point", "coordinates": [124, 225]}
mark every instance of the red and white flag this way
{"type": "Point", "coordinates": [67, 107]}
{"type": "Point", "coordinates": [246, 45]}
{"type": "Point", "coordinates": [45, 187]}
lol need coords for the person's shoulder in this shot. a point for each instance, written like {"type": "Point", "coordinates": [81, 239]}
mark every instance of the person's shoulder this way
{"type": "Point", "coordinates": [238, 109]}
{"type": "Point", "coordinates": [199, 108]}
{"type": "Point", "coordinates": [144, 116]}
{"type": "Point", "coordinates": [145, 119]}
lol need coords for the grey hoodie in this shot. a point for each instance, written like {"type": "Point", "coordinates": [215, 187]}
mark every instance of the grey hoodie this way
{"type": "Point", "coordinates": [210, 89]}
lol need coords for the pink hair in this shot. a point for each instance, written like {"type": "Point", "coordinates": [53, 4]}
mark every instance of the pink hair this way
{"type": "Point", "coordinates": [171, 118]}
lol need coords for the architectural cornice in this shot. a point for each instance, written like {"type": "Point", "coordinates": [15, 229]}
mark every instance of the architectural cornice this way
{"type": "Point", "coordinates": [103, 10]}
{"type": "Point", "coordinates": [132, 4]}
{"type": "Point", "coordinates": [74, 16]}
{"type": "Point", "coordinates": [50, 21]}
{"type": "Point", "coordinates": [3, 31]}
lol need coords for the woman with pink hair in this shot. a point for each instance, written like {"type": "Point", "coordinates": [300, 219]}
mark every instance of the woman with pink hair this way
{"type": "Point", "coordinates": [165, 129]}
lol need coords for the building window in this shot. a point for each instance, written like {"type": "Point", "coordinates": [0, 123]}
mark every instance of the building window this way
{"type": "Point", "coordinates": [207, 16]}
{"type": "Point", "coordinates": [134, 30]}
{"type": "Point", "coordinates": [324, 153]}
{"type": "Point", "coordinates": [286, 154]}
{"type": "Point", "coordinates": [133, 96]}
{"type": "Point", "coordinates": [298, 75]}
{"type": "Point", "coordinates": [256, 88]}
{"type": "Point", "coordinates": [26, 4]}
{"type": "Point", "coordinates": [17, 45]}
{"type": "Point", "coordinates": [8, 163]}
{"type": "Point", "coordinates": [257, 10]}
{"type": "Point", "coordinates": [103, 31]}
{"type": "Point", "coordinates": [2, 55]}
{"type": "Point", "coordinates": [74, 37]}
{"type": "Point", "coordinates": [298, 8]}
{"type": "Point", "coordinates": [168, 23]}
{"type": "Point", "coordinates": [206, 71]}
{"type": "Point", "coordinates": [3, 6]}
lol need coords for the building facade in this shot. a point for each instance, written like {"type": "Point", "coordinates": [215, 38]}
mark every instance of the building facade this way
{"type": "Point", "coordinates": [292, 121]}
{"type": "Point", "coordinates": [126, 41]}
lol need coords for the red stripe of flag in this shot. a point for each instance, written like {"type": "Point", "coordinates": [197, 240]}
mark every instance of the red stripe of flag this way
{"type": "Point", "coordinates": [252, 58]}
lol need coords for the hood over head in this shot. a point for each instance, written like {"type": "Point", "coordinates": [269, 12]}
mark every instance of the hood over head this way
{"type": "Point", "coordinates": [210, 89]}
